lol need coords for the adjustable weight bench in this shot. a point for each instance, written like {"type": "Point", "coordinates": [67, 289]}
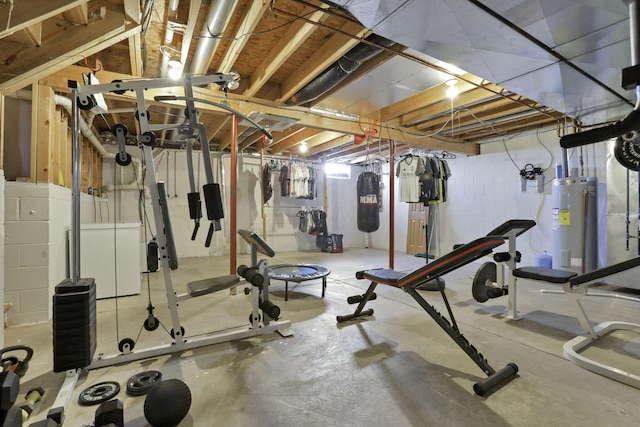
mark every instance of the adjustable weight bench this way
{"type": "Point", "coordinates": [494, 281]}
{"type": "Point", "coordinates": [576, 286]}
{"type": "Point", "coordinates": [410, 282]}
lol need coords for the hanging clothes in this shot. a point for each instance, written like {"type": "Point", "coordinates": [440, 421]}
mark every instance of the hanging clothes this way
{"type": "Point", "coordinates": [408, 170]}
{"type": "Point", "coordinates": [284, 181]}
{"type": "Point", "coordinates": [267, 189]}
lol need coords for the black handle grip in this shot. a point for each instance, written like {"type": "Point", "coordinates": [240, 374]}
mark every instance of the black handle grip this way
{"type": "Point", "coordinates": [196, 227]}
{"type": "Point", "coordinates": [207, 242]}
{"type": "Point", "coordinates": [195, 205]}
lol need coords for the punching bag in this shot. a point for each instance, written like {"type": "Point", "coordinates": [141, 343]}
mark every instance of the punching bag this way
{"type": "Point", "coordinates": [368, 190]}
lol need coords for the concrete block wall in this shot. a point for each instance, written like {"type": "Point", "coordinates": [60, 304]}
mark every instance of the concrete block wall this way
{"type": "Point", "coordinates": [27, 246]}
{"type": "Point", "coordinates": [37, 220]}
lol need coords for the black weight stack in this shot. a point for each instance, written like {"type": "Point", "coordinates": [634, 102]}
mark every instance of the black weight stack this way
{"type": "Point", "coordinates": [74, 324]}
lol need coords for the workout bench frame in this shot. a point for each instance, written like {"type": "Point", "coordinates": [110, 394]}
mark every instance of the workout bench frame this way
{"type": "Point", "coordinates": [410, 282]}
{"type": "Point", "coordinates": [575, 287]}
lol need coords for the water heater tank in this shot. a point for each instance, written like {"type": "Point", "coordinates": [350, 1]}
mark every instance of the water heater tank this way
{"type": "Point", "coordinates": [575, 224]}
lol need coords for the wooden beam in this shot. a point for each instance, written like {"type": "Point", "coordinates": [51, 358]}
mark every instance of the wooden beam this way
{"type": "Point", "coordinates": [135, 55]}
{"type": "Point", "coordinates": [24, 13]}
{"type": "Point", "coordinates": [28, 65]}
{"type": "Point", "coordinates": [247, 105]}
{"type": "Point", "coordinates": [132, 11]}
{"type": "Point", "coordinates": [296, 139]}
{"type": "Point", "coordinates": [249, 23]}
{"type": "Point", "coordinates": [42, 124]}
{"type": "Point", "coordinates": [77, 15]}
{"type": "Point", "coordinates": [194, 9]}
{"type": "Point", "coordinates": [329, 145]}
{"type": "Point", "coordinates": [2, 122]}
{"type": "Point", "coordinates": [327, 54]}
{"type": "Point", "coordinates": [297, 34]}
{"type": "Point", "coordinates": [486, 111]}
{"type": "Point", "coordinates": [31, 35]}
{"type": "Point", "coordinates": [440, 103]}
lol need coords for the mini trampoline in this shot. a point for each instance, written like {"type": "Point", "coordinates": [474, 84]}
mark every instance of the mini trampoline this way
{"type": "Point", "coordinates": [298, 273]}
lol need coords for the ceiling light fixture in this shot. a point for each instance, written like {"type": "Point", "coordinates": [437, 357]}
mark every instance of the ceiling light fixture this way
{"type": "Point", "coordinates": [175, 68]}
{"type": "Point", "coordinates": [452, 90]}
{"type": "Point", "coordinates": [303, 147]}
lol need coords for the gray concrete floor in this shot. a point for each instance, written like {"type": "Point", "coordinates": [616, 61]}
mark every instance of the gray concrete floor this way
{"type": "Point", "coordinates": [398, 368]}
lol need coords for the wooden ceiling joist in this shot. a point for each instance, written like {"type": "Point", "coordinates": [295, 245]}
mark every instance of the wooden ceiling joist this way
{"type": "Point", "coordinates": [24, 13]}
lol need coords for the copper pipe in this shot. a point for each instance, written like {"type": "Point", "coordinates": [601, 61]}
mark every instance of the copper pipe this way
{"type": "Point", "coordinates": [392, 197]}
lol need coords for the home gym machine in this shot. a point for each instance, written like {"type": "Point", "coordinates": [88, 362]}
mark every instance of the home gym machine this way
{"type": "Point", "coordinates": [410, 284]}
{"type": "Point", "coordinates": [489, 285]}
{"type": "Point", "coordinates": [74, 302]}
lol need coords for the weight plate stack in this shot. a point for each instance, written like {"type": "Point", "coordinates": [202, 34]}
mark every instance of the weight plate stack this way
{"type": "Point", "coordinates": [74, 324]}
{"type": "Point", "coordinates": [141, 383]}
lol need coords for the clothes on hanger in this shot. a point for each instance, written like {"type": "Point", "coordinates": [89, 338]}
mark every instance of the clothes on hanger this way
{"type": "Point", "coordinates": [408, 171]}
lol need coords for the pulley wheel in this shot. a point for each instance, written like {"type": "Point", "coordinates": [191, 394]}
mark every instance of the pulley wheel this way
{"type": "Point", "coordinates": [126, 345]}
{"type": "Point", "coordinates": [148, 139]}
{"type": "Point", "coordinates": [173, 334]}
{"type": "Point", "coordinates": [86, 103]}
{"type": "Point", "coordinates": [141, 383]}
{"type": "Point", "coordinates": [152, 323]}
{"type": "Point", "coordinates": [479, 288]}
{"type": "Point", "coordinates": [99, 393]}
{"type": "Point", "coordinates": [627, 154]}
{"type": "Point", "coordinates": [123, 162]}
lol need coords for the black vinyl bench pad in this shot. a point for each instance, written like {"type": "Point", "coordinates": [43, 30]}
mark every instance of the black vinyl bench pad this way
{"type": "Point", "coordinates": [214, 284]}
{"type": "Point", "coordinates": [551, 275]}
{"type": "Point", "coordinates": [440, 266]}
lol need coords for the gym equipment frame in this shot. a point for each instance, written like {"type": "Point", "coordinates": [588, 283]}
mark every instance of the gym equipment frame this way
{"type": "Point", "coordinates": [574, 285]}
{"type": "Point", "coordinates": [83, 95]}
{"type": "Point", "coordinates": [410, 283]}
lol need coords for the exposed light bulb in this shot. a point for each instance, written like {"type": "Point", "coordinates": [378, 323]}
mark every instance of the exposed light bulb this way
{"type": "Point", "coordinates": [175, 68]}
{"type": "Point", "coordinates": [303, 147]}
{"type": "Point", "coordinates": [452, 90]}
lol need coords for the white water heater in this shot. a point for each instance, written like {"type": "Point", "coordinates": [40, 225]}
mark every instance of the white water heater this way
{"type": "Point", "coordinates": [575, 224]}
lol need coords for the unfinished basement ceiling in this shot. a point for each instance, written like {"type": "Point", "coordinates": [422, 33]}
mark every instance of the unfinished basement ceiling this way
{"type": "Point", "coordinates": [523, 65]}
{"type": "Point", "coordinates": [564, 54]}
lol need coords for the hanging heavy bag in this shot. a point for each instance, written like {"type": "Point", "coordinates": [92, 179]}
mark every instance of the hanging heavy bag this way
{"type": "Point", "coordinates": [368, 188]}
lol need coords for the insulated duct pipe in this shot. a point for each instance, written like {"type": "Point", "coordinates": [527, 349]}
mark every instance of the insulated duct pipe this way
{"type": "Point", "coordinates": [339, 70]}
{"type": "Point", "coordinates": [627, 127]}
{"type": "Point", "coordinates": [219, 12]}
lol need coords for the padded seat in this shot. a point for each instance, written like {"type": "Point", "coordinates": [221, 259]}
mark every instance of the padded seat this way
{"type": "Point", "coordinates": [545, 274]}
{"type": "Point", "coordinates": [215, 284]}
{"type": "Point", "coordinates": [384, 276]}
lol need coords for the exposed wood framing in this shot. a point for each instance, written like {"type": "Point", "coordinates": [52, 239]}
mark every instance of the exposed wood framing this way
{"type": "Point", "coordinates": [77, 15]}
{"type": "Point", "coordinates": [28, 12]}
{"type": "Point", "coordinates": [251, 19]}
{"type": "Point", "coordinates": [298, 32]}
{"type": "Point", "coordinates": [28, 65]}
{"type": "Point", "coordinates": [135, 54]}
{"type": "Point", "coordinates": [2, 121]}
{"type": "Point", "coordinates": [31, 35]}
{"type": "Point", "coordinates": [328, 53]}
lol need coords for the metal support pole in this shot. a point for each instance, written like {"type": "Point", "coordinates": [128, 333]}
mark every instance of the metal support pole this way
{"type": "Point", "coordinates": [233, 196]}
{"type": "Point", "coordinates": [75, 184]}
{"type": "Point", "coordinates": [392, 196]}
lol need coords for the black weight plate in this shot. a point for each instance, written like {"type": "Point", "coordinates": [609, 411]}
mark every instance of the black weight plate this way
{"type": "Point", "coordinates": [141, 383]}
{"type": "Point", "coordinates": [627, 153]}
{"type": "Point", "coordinates": [486, 272]}
{"type": "Point", "coordinates": [99, 393]}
